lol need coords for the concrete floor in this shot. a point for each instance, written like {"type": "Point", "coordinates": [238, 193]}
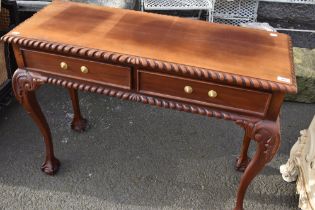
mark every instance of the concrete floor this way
{"type": "Point", "coordinates": [136, 157]}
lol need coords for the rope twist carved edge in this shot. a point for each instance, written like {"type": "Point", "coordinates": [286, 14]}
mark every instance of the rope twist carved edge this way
{"type": "Point", "coordinates": [125, 95]}
{"type": "Point", "coordinates": [24, 81]}
{"type": "Point", "coordinates": [148, 63]}
{"type": "Point", "coordinates": [262, 131]}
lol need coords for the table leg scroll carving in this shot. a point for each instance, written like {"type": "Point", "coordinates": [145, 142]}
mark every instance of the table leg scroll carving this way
{"type": "Point", "coordinates": [78, 122]}
{"type": "Point", "coordinates": [24, 85]}
{"type": "Point", "coordinates": [267, 136]}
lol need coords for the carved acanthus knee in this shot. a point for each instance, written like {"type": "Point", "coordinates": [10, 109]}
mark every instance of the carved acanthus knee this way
{"type": "Point", "coordinates": [24, 85]}
{"type": "Point", "coordinates": [266, 133]}
{"type": "Point", "coordinates": [24, 81]}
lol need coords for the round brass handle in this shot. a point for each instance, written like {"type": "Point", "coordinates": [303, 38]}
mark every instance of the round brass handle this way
{"type": "Point", "coordinates": [84, 69]}
{"type": "Point", "coordinates": [188, 89]}
{"type": "Point", "coordinates": [212, 94]}
{"type": "Point", "coordinates": [64, 65]}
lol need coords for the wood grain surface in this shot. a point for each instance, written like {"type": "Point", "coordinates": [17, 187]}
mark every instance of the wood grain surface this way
{"type": "Point", "coordinates": [234, 99]}
{"type": "Point", "coordinates": [158, 60]}
{"type": "Point", "coordinates": [223, 48]}
{"type": "Point", "coordinates": [101, 73]}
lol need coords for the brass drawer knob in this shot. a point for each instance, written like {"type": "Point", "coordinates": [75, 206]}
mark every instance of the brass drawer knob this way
{"type": "Point", "coordinates": [188, 89]}
{"type": "Point", "coordinates": [212, 94]}
{"type": "Point", "coordinates": [84, 69]}
{"type": "Point", "coordinates": [64, 65]}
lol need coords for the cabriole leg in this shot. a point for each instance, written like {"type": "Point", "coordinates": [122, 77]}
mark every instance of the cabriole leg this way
{"type": "Point", "coordinates": [78, 122]}
{"type": "Point", "coordinates": [267, 136]}
{"type": "Point", "coordinates": [24, 86]}
{"type": "Point", "coordinates": [243, 160]}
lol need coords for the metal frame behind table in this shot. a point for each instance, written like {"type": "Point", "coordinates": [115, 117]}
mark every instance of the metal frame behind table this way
{"type": "Point", "coordinates": [5, 87]}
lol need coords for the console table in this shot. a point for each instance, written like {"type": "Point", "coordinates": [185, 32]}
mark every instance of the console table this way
{"type": "Point", "coordinates": [210, 69]}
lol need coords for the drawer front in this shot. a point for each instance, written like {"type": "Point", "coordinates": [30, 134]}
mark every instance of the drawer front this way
{"type": "Point", "coordinates": [76, 68]}
{"type": "Point", "coordinates": [204, 93]}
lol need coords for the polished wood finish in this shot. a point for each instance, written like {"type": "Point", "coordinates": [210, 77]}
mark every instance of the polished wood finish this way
{"type": "Point", "coordinates": [214, 70]}
{"type": "Point", "coordinates": [243, 160]}
{"type": "Point", "coordinates": [164, 38]}
{"type": "Point", "coordinates": [78, 122]}
{"type": "Point", "coordinates": [228, 97]}
{"type": "Point", "coordinates": [24, 85]}
{"type": "Point", "coordinates": [266, 134]}
{"type": "Point", "coordinates": [117, 76]}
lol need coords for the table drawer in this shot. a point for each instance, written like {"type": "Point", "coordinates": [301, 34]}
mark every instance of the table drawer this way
{"type": "Point", "coordinates": [98, 72]}
{"type": "Point", "coordinates": [204, 93]}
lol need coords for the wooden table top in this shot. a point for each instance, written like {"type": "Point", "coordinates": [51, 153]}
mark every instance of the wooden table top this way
{"type": "Point", "coordinates": [246, 52]}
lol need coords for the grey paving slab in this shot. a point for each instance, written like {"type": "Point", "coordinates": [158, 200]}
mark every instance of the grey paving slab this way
{"type": "Point", "coordinates": [136, 157]}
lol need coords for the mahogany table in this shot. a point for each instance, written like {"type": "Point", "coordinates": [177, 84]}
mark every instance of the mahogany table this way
{"type": "Point", "coordinates": [193, 66]}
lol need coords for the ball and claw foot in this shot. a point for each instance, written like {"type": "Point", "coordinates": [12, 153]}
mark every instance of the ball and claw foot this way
{"type": "Point", "coordinates": [241, 165]}
{"type": "Point", "coordinates": [79, 125]}
{"type": "Point", "coordinates": [51, 167]}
